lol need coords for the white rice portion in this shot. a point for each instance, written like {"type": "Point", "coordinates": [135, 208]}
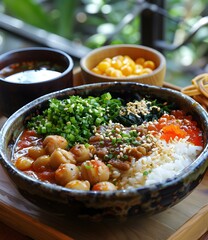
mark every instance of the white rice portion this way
{"type": "Point", "coordinates": [165, 161]}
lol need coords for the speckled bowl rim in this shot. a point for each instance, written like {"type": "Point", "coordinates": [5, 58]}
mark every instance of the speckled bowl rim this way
{"type": "Point", "coordinates": [67, 70]}
{"type": "Point", "coordinates": [120, 193]}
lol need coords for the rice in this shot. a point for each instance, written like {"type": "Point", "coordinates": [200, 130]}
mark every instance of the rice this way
{"type": "Point", "coordinates": [166, 161]}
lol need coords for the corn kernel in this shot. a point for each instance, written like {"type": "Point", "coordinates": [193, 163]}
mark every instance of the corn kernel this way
{"type": "Point", "coordinates": [116, 63]}
{"type": "Point", "coordinates": [132, 75]}
{"type": "Point", "coordinates": [138, 69]}
{"type": "Point", "coordinates": [124, 66]}
{"type": "Point", "coordinates": [149, 64]}
{"type": "Point", "coordinates": [109, 71]}
{"type": "Point", "coordinates": [140, 61]}
{"type": "Point", "coordinates": [126, 70]}
{"type": "Point", "coordinates": [116, 73]}
{"type": "Point", "coordinates": [146, 71]}
{"type": "Point", "coordinates": [103, 65]}
{"type": "Point", "coordinates": [107, 60]}
{"type": "Point", "coordinates": [126, 60]}
{"type": "Point", "coordinates": [96, 70]}
{"type": "Point", "coordinates": [118, 57]}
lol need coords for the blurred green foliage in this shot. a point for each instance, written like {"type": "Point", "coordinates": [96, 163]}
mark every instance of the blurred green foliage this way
{"type": "Point", "coordinates": [30, 12]}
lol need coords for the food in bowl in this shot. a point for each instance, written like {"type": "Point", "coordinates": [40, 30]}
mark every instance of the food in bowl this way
{"type": "Point", "coordinates": [28, 73]}
{"type": "Point", "coordinates": [106, 143]}
{"type": "Point", "coordinates": [146, 199]}
{"type": "Point", "coordinates": [124, 66]}
{"type": "Point", "coordinates": [31, 71]}
{"type": "Point", "coordinates": [111, 65]}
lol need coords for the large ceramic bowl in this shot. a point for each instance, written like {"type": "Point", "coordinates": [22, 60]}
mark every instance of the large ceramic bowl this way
{"type": "Point", "coordinates": [145, 200]}
{"type": "Point", "coordinates": [43, 70]}
{"type": "Point", "coordinates": [93, 58]}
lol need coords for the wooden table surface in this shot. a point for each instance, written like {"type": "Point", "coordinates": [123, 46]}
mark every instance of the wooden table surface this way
{"type": "Point", "coordinates": [7, 233]}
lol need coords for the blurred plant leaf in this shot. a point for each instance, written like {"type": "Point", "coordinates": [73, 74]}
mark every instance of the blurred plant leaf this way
{"type": "Point", "coordinates": [95, 41]}
{"type": "Point", "coordinates": [30, 12]}
{"type": "Point", "coordinates": [67, 10]}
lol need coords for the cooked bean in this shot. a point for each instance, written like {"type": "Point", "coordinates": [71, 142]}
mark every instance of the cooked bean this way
{"type": "Point", "coordinates": [94, 171]}
{"type": "Point", "coordinates": [104, 186]}
{"type": "Point", "coordinates": [41, 163]}
{"type": "Point", "coordinates": [66, 172]}
{"type": "Point", "coordinates": [60, 156]}
{"type": "Point", "coordinates": [24, 163]}
{"type": "Point", "coordinates": [53, 142]}
{"type": "Point", "coordinates": [36, 151]}
{"type": "Point", "coordinates": [79, 185]}
{"type": "Point", "coordinates": [81, 152]}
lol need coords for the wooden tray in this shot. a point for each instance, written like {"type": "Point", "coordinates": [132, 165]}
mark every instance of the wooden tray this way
{"type": "Point", "coordinates": [188, 220]}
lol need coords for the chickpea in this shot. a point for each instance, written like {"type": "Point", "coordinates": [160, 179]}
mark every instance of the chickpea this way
{"type": "Point", "coordinates": [66, 172]}
{"type": "Point", "coordinates": [52, 142]}
{"type": "Point", "coordinates": [24, 163]}
{"type": "Point", "coordinates": [41, 163]}
{"type": "Point", "coordinates": [81, 152]}
{"type": "Point", "coordinates": [60, 156]}
{"type": "Point", "coordinates": [104, 186]}
{"type": "Point", "coordinates": [94, 171]}
{"type": "Point", "coordinates": [79, 185]}
{"type": "Point", "coordinates": [36, 151]}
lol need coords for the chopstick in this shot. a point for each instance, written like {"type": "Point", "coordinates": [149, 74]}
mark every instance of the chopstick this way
{"type": "Point", "coordinates": [29, 226]}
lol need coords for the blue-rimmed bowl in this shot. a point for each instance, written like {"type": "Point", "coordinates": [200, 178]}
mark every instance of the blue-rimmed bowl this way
{"type": "Point", "coordinates": [145, 200]}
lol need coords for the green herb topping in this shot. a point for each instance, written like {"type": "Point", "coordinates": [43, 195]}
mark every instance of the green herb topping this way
{"type": "Point", "coordinates": [75, 117]}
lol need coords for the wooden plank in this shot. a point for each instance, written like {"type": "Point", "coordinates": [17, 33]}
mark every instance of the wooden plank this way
{"type": "Point", "coordinates": [27, 225]}
{"type": "Point", "coordinates": [194, 228]}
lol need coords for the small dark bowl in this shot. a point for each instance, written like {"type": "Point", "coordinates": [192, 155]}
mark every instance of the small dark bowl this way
{"type": "Point", "coordinates": [15, 95]}
{"type": "Point", "coordinates": [145, 200]}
